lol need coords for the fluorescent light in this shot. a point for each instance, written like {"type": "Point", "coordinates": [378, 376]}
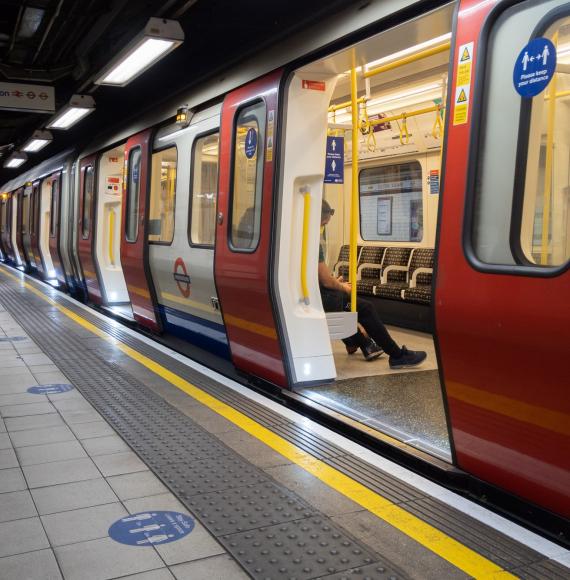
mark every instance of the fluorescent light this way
{"type": "Point", "coordinates": [15, 160]}
{"type": "Point", "coordinates": [407, 51]}
{"type": "Point", "coordinates": [78, 107]}
{"type": "Point", "coordinates": [158, 38]}
{"type": "Point", "coordinates": [38, 140]}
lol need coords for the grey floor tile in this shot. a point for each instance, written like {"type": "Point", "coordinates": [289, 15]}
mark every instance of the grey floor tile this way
{"type": "Point", "coordinates": [12, 480]}
{"type": "Point", "coordinates": [38, 359]}
{"type": "Point", "coordinates": [33, 422]}
{"type": "Point", "coordinates": [22, 398]}
{"type": "Point", "coordinates": [93, 429]}
{"type": "Point", "coordinates": [41, 436]}
{"type": "Point", "coordinates": [40, 565]}
{"type": "Point", "coordinates": [159, 574]}
{"type": "Point", "coordinates": [216, 568]}
{"type": "Point", "coordinates": [73, 404]}
{"type": "Point", "coordinates": [5, 442]}
{"type": "Point", "coordinates": [73, 496]}
{"type": "Point", "coordinates": [8, 458]}
{"type": "Point", "coordinates": [133, 485]}
{"type": "Point", "coordinates": [23, 410]}
{"type": "Point", "coordinates": [76, 417]}
{"type": "Point", "coordinates": [311, 489]}
{"type": "Point", "coordinates": [19, 536]}
{"type": "Point", "coordinates": [58, 472]}
{"type": "Point", "coordinates": [60, 451]}
{"type": "Point", "coordinates": [82, 525]}
{"type": "Point", "coordinates": [46, 368]}
{"type": "Point", "coordinates": [49, 378]}
{"type": "Point", "coordinates": [197, 544]}
{"type": "Point", "coordinates": [2, 426]}
{"type": "Point", "coordinates": [119, 463]}
{"type": "Point", "coordinates": [105, 445]}
{"type": "Point", "coordinates": [16, 505]}
{"type": "Point", "coordinates": [103, 559]}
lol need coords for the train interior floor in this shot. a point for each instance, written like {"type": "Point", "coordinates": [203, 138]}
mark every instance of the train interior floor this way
{"type": "Point", "coordinates": [405, 404]}
{"type": "Point", "coordinates": [122, 459]}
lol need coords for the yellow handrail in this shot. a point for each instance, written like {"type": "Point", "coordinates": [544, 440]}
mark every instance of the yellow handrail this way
{"type": "Point", "coordinates": [346, 104]}
{"type": "Point", "coordinates": [558, 95]}
{"type": "Point", "coordinates": [408, 59]}
{"type": "Point", "coordinates": [354, 196]}
{"type": "Point", "coordinates": [112, 237]}
{"type": "Point", "coordinates": [375, 122]}
{"type": "Point", "coordinates": [306, 193]}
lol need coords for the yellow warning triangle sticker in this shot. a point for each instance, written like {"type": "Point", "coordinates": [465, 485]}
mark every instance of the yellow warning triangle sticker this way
{"type": "Point", "coordinates": [465, 55]}
{"type": "Point", "coordinates": [462, 98]}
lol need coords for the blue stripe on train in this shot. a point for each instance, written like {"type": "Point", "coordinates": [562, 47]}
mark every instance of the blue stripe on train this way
{"type": "Point", "coordinates": [203, 333]}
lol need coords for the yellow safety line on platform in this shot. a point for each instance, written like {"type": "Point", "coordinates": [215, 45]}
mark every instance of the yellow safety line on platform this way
{"type": "Point", "coordinates": [464, 558]}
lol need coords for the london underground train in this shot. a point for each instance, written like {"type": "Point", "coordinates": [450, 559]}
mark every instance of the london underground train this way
{"type": "Point", "coordinates": [439, 133]}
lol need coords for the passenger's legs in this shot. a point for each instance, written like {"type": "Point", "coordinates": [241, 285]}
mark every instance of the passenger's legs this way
{"type": "Point", "coordinates": [368, 317]}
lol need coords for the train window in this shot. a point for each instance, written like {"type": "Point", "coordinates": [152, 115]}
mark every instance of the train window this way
{"type": "Point", "coordinates": [54, 211]}
{"type": "Point", "coordinates": [522, 191]}
{"type": "Point", "coordinates": [204, 190]}
{"type": "Point", "coordinates": [4, 211]}
{"type": "Point", "coordinates": [248, 178]}
{"type": "Point", "coordinates": [87, 201]}
{"type": "Point", "coordinates": [133, 190]}
{"type": "Point", "coordinates": [391, 203]}
{"type": "Point", "coordinates": [162, 196]}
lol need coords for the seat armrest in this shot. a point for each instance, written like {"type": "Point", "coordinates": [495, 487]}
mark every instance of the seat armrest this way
{"type": "Point", "coordinates": [418, 271]}
{"type": "Point", "coordinates": [337, 267]}
{"type": "Point", "coordinates": [388, 269]}
{"type": "Point", "coordinates": [367, 265]}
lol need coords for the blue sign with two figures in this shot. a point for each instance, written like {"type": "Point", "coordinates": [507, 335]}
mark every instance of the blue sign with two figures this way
{"type": "Point", "coordinates": [151, 528]}
{"type": "Point", "coordinates": [51, 389]}
{"type": "Point", "coordinates": [334, 162]}
{"type": "Point", "coordinates": [250, 142]}
{"type": "Point", "coordinates": [535, 67]}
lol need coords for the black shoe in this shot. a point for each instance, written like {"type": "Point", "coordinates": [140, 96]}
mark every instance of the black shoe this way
{"type": "Point", "coordinates": [407, 359]}
{"type": "Point", "coordinates": [371, 350]}
{"type": "Point", "coordinates": [351, 349]}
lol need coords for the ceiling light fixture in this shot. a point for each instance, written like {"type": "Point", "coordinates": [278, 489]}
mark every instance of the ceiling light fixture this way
{"type": "Point", "coordinates": [15, 160]}
{"type": "Point", "coordinates": [38, 140]}
{"type": "Point", "coordinates": [156, 40]}
{"type": "Point", "coordinates": [78, 107]}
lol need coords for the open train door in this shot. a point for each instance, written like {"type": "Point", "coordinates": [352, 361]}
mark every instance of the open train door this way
{"type": "Point", "coordinates": [134, 242]}
{"type": "Point", "coordinates": [243, 237]}
{"type": "Point", "coordinates": [503, 282]}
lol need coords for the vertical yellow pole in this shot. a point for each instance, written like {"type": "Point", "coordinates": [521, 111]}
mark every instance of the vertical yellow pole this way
{"type": "Point", "coordinates": [354, 196]}
{"type": "Point", "coordinates": [547, 195]}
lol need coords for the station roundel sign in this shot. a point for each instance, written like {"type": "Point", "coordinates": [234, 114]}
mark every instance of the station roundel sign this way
{"type": "Point", "coordinates": [181, 277]}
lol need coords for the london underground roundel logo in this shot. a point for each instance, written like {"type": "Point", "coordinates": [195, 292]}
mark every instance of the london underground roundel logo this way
{"type": "Point", "coordinates": [181, 277]}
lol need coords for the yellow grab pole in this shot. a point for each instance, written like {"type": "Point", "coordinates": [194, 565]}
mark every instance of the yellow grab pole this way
{"type": "Point", "coordinates": [424, 111]}
{"type": "Point", "coordinates": [547, 195]}
{"type": "Point", "coordinates": [354, 191]}
{"type": "Point", "coordinates": [408, 59]}
{"type": "Point", "coordinates": [306, 193]}
{"type": "Point", "coordinates": [112, 237]}
{"type": "Point", "coordinates": [346, 104]}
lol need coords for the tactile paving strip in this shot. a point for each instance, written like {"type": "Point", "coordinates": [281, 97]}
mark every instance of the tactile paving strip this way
{"type": "Point", "coordinates": [282, 537]}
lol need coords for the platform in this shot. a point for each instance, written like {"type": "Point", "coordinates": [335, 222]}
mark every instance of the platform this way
{"type": "Point", "coordinates": [136, 462]}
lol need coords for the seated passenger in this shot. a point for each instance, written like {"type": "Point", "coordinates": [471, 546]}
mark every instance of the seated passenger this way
{"type": "Point", "coordinates": [335, 295]}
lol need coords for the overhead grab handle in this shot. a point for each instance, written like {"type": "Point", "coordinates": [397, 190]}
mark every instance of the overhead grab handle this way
{"type": "Point", "coordinates": [305, 191]}
{"type": "Point", "coordinates": [404, 133]}
{"type": "Point", "coordinates": [437, 129]}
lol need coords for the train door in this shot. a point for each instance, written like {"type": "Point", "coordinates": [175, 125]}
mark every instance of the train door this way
{"type": "Point", "coordinates": [27, 215]}
{"type": "Point", "coordinates": [86, 229]}
{"type": "Point", "coordinates": [7, 223]}
{"type": "Point", "coordinates": [502, 297]}
{"type": "Point", "coordinates": [14, 228]}
{"type": "Point", "coordinates": [243, 235]}
{"type": "Point", "coordinates": [108, 228]}
{"type": "Point", "coordinates": [134, 242]}
{"type": "Point", "coordinates": [55, 228]}
{"type": "Point", "coordinates": [4, 226]}
{"type": "Point", "coordinates": [182, 224]}
{"type": "Point", "coordinates": [20, 230]}
{"type": "Point", "coordinates": [66, 225]}
{"type": "Point", "coordinates": [44, 223]}
{"type": "Point", "coordinates": [35, 205]}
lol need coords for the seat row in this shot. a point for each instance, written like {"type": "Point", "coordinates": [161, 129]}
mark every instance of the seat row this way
{"type": "Point", "coordinates": [393, 273]}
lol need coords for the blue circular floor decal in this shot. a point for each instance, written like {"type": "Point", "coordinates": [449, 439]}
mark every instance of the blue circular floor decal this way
{"type": "Point", "coordinates": [51, 389]}
{"type": "Point", "coordinates": [151, 528]}
{"type": "Point", "coordinates": [13, 338]}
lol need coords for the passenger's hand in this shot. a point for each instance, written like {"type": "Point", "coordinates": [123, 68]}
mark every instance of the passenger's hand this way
{"type": "Point", "coordinates": [340, 279]}
{"type": "Point", "coordinates": [347, 287]}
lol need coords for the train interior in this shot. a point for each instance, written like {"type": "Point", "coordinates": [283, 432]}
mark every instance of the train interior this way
{"type": "Point", "coordinates": [401, 112]}
{"type": "Point", "coordinates": [108, 236]}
